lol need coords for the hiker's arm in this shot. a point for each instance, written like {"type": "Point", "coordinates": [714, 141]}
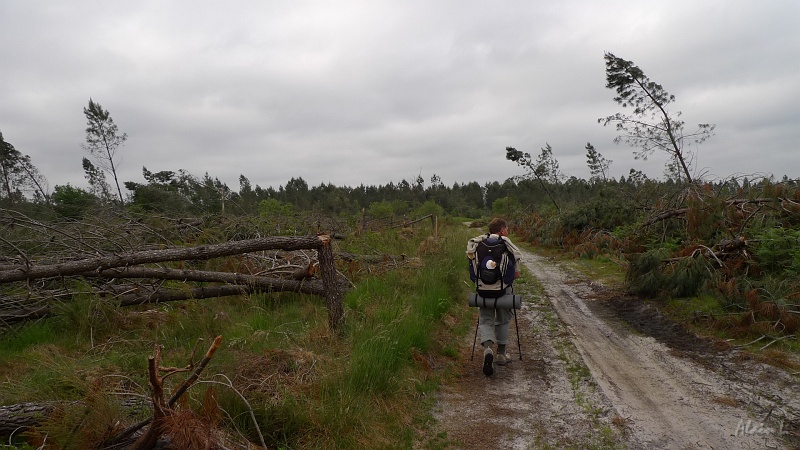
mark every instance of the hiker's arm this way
{"type": "Point", "coordinates": [510, 273]}
{"type": "Point", "coordinates": [472, 275]}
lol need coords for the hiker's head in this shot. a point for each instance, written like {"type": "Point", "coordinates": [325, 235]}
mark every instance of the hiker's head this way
{"type": "Point", "coordinates": [497, 225]}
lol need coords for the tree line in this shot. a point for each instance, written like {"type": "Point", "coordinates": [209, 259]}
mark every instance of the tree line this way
{"type": "Point", "coordinates": [649, 127]}
{"type": "Point", "coordinates": [646, 123]}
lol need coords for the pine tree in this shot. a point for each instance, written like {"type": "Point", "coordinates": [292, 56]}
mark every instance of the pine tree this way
{"type": "Point", "coordinates": [598, 165]}
{"type": "Point", "coordinates": [651, 126]}
{"type": "Point", "coordinates": [103, 140]}
{"type": "Point", "coordinates": [18, 175]}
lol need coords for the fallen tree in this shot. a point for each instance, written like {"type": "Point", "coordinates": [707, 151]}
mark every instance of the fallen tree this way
{"type": "Point", "coordinates": [737, 202]}
{"type": "Point", "coordinates": [128, 265]}
{"type": "Point", "coordinates": [16, 418]}
{"type": "Point", "coordinates": [30, 271]}
{"type": "Point", "coordinates": [141, 295]}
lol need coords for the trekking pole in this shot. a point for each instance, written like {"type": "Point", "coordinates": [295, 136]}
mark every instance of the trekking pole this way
{"type": "Point", "coordinates": [516, 325]}
{"type": "Point", "coordinates": [476, 338]}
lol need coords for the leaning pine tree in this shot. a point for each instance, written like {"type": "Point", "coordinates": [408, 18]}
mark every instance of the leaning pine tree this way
{"type": "Point", "coordinates": [651, 127]}
{"type": "Point", "coordinates": [102, 140]}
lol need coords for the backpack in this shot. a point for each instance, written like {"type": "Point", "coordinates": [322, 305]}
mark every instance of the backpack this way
{"type": "Point", "coordinates": [491, 259]}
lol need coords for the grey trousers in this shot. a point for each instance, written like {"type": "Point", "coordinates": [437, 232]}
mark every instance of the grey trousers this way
{"type": "Point", "coordinates": [493, 324]}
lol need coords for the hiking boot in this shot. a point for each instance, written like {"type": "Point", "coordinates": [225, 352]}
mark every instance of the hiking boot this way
{"type": "Point", "coordinates": [488, 358]}
{"type": "Point", "coordinates": [503, 359]}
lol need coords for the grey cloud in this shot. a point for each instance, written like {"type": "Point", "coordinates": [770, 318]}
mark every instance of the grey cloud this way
{"type": "Point", "coordinates": [371, 92]}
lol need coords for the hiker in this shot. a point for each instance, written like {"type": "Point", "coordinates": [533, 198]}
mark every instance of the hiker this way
{"type": "Point", "coordinates": [494, 276]}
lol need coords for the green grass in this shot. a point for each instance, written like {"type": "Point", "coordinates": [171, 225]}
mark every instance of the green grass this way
{"type": "Point", "coordinates": [27, 336]}
{"type": "Point", "coordinates": [689, 306]}
{"type": "Point", "coordinates": [602, 269]}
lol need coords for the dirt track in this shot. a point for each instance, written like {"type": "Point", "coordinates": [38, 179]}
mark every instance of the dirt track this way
{"type": "Point", "coordinates": [593, 375]}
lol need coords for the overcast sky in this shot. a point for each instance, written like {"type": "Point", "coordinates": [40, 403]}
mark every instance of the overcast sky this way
{"type": "Point", "coordinates": [352, 92]}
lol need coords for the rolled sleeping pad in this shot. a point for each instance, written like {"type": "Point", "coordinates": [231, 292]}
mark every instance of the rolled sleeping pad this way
{"type": "Point", "coordinates": [508, 301]}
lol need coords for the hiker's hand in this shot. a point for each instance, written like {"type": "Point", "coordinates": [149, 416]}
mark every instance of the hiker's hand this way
{"type": "Point", "coordinates": [517, 274]}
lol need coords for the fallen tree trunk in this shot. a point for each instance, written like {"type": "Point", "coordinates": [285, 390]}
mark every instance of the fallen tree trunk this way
{"type": "Point", "coordinates": [23, 314]}
{"type": "Point", "coordinates": [142, 296]}
{"type": "Point", "coordinates": [119, 265]}
{"type": "Point", "coordinates": [666, 215]}
{"type": "Point", "coordinates": [17, 418]}
{"type": "Point", "coordinates": [313, 287]}
{"type": "Point", "coordinates": [165, 295]}
{"type": "Point", "coordinates": [733, 202]}
{"type": "Point", "coordinates": [31, 272]}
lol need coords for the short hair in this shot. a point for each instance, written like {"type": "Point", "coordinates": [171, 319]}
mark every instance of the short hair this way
{"type": "Point", "coordinates": [497, 225]}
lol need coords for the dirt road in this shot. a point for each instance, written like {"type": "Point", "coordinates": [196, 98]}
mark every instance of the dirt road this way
{"type": "Point", "coordinates": [599, 372]}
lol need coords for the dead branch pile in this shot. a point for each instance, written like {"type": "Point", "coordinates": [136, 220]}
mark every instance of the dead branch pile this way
{"type": "Point", "coordinates": [132, 262]}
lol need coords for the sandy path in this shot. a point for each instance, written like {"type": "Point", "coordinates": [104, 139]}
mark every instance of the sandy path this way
{"type": "Point", "coordinates": [588, 380]}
